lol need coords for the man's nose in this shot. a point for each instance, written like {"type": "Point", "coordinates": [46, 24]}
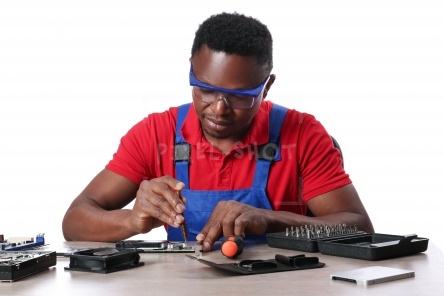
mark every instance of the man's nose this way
{"type": "Point", "coordinates": [222, 105]}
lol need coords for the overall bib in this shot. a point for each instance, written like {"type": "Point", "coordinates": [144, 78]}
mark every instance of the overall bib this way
{"type": "Point", "coordinates": [200, 203]}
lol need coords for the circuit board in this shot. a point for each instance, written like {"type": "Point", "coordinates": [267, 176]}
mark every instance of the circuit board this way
{"type": "Point", "coordinates": [22, 243]}
{"type": "Point", "coordinates": [162, 246]}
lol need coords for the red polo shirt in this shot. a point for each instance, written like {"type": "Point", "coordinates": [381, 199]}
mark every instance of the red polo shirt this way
{"type": "Point", "coordinates": [147, 151]}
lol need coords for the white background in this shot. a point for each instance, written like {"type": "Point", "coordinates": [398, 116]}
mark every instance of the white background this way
{"type": "Point", "coordinates": [76, 75]}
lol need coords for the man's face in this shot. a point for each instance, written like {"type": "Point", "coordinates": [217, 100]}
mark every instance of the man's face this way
{"type": "Point", "coordinates": [218, 119]}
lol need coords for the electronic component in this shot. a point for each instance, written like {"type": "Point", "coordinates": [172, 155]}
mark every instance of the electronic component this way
{"type": "Point", "coordinates": [161, 246]}
{"type": "Point", "coordinates": [198, 250]}
{"type": "Point", "coordinates": [15, 265]}
{"type": "Point", "coordinates": [232, 246]}
{"type": "Point", "coordinates": [22, 243]}
{"type": "Point", "coordinates": [103, 260]}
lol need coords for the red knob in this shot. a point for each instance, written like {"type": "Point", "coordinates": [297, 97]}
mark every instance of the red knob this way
{"type": "Point", "coordinates": [232, 246]}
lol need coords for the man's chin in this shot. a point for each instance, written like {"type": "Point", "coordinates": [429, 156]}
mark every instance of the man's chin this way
{"type": "Point", "coordinates": [216, 134]}
{"type": "Point", "coordinates": [216, 131]}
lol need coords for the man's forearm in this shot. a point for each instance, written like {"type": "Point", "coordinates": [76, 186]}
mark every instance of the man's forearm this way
{"type": "Point", "coordinates": [92, 224]}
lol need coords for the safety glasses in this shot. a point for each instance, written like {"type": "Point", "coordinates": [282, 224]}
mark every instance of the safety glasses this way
{"type": "Point", "coordinates": [236, 99]}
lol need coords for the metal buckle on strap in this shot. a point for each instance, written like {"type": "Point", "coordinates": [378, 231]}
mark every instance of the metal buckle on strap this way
{"type": "Point", "coordinates": [267, 151]}
{"type": "Point", "coordinates": [182, 152]}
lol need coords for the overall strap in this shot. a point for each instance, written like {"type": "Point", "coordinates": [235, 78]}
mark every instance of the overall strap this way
{"type": "Point", "coordinates": [270, 151]}
{"type": "Point", "coordinates": [182, 150]}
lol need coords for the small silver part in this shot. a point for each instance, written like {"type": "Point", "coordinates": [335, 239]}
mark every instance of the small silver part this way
{"type": "Point", "coordinates": [198, 251]}
{"type": "Point", "coordinates": [286, 231]}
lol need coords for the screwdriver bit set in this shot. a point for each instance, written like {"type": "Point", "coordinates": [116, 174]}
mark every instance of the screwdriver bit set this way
{"type": "Point", "coordinates": [346, 241]}
{"type": "Point", "coordinates": [305, 238]}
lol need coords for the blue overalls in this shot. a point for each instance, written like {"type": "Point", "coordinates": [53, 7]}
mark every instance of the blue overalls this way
{"type": "Point", "coordinates": [200, 203]}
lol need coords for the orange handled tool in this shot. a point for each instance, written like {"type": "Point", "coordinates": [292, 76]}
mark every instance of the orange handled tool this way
{"type": "Point", "coordinates": [232, 246]}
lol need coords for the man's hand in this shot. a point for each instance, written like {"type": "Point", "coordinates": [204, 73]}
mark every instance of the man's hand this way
{"type": "Point", "coordinates": [232, 218]}
{"type": "Point", "coordinates": [157, 203]}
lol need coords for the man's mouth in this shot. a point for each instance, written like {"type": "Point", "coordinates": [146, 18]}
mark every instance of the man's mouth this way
{"type": "Point", "coordinates": [217, 124]}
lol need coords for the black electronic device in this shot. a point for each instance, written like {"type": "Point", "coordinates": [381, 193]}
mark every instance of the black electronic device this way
{"type": "Point", "coordinates": [103, 260]}
{"type": "Point", "coordinates": [153, 246]}
{"type": "Point", "coordinates": [15, 265]}
{"type": "Point", "coordinates": [345, 241]}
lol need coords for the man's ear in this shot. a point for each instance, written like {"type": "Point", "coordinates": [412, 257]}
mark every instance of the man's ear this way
{"type": "Point", "coordinates": [268, 86]}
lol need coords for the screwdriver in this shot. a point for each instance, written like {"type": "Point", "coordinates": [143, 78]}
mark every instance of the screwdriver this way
{"type": "Point", "coordinates": [183, 227]}
{"type": "Point", "coordinates": [232, 246]}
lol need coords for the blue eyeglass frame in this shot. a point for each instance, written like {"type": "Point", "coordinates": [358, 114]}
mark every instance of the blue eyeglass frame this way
{"type": "Point", "coordinates": [254, 92]}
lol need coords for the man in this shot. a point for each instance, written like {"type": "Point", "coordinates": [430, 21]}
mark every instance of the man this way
{"type": "Point", "coordinates": [244, 166]}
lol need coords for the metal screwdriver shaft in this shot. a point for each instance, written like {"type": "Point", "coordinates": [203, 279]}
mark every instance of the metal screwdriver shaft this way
{"type": "Point", "coordinates": [184, 224]}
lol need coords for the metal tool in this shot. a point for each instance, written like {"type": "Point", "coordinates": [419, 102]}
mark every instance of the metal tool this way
{"type": "Point", "coordinates": [184, 224]}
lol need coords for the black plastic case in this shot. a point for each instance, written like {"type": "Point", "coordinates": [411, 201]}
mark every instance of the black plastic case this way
{"type": "Point", "coordinates": [278, 264]}
{"type": "Point", "coordinates": [365, 246]}
{"type": "Point", "coordinates": [375, 246]}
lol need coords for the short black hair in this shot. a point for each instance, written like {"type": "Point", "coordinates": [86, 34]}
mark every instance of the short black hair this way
{"type": "Point", "coordinates": [235, 33]}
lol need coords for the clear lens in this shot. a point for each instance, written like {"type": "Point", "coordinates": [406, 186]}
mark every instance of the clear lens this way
{"type": "Point", "coordinates": [234, 101]}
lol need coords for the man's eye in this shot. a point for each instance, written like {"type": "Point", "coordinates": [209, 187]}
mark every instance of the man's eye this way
{"type": "Point", "coordinates": [239, 97]}
{"type": "Point", "coordinates": [206, 91]}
